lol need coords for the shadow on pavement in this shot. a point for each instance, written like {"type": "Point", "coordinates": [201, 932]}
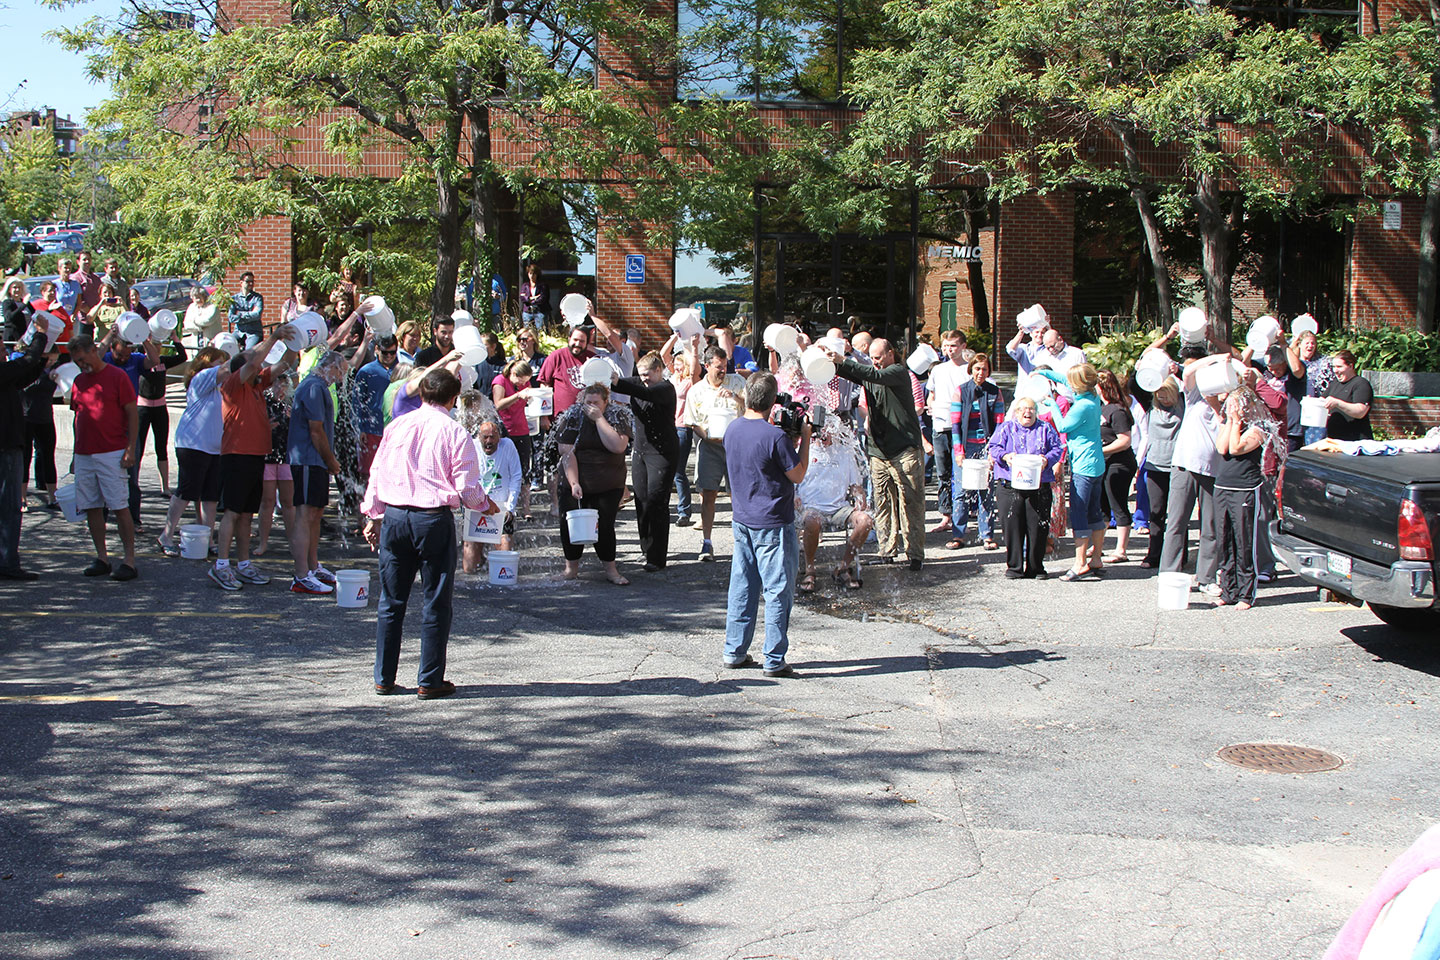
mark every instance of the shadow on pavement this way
{"type": "Point", "coordinates": [1409, 650]}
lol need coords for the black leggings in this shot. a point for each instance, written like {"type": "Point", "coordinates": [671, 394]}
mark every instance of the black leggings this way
{"type": "Point", "coordinates": [1157, 484]}
{"type": "Point", "coordinates": [608, 505]}
{"type": "Point", "coordinates": [40, 445]}
{"type": "Point", "coordinates": [156, 419]}
{"type": "Point", "coordinates": [524, 447]}
{"type": "Point", "coordinates": [1119, 473]}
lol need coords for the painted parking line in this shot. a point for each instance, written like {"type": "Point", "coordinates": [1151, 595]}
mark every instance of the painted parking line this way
{"type": "Point", "coordinates": [55, 698]}
{"type": "Point", "coordinates": [151, 615]}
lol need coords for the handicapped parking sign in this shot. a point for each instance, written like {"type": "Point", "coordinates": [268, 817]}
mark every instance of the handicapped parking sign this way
{"type": "Point", "coordinates": [634, 268]}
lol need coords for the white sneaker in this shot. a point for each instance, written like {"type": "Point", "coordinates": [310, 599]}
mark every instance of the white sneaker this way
{"type": "Point", "coordinates": [324, 576]}
{"type": "Point", "coordinates": [250, 573]}
{"type": "Point", "coordinates": [224, 577]}
{"type": "Point", "coordinates": [309, 584]}
{"type": "Point", "coordinates": [1209, 589]}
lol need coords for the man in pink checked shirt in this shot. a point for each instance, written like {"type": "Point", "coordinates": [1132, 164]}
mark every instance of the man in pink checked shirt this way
{"type": "Point", "coordinates": [426, 466]}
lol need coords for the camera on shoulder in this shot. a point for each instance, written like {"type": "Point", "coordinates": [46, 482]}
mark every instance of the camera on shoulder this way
{"type": "Point", "coordinates": [788, 414]}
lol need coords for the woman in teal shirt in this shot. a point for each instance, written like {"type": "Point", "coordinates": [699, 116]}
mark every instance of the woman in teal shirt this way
{"type": "Point", "coordinates": [1081, 426]}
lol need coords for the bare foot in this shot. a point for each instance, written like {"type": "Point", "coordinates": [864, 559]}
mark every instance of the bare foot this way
{"type": "Point", "coordinates": [1221, 602]}
{"type": "Point", "coordinates": [618, 579]}
{"type": "Point", "coordinates": [1242, 605]}
{"type": "Point", "coordinates": [260, 550]}
{"type": "Point", "coordinates": [572, 571]}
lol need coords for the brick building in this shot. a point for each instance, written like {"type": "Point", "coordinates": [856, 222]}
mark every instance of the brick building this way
{"type": "Point", "coordinates": [67, 132]}
{"type": "Point", "coordinates": [1027, 250]}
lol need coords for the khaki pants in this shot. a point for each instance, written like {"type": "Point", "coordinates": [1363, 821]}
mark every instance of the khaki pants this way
{"type": "Point", "coordinates": [900, 502]}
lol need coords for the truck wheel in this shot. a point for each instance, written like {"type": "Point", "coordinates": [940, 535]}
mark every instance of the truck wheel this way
{"type": "Point", "coordinates": [1408, 618]}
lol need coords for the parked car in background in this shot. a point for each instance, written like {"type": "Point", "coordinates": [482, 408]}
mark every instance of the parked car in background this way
{"type": "Point", "coordinates": [29, 246]}
{"type": "Point", "coordinates": [171, 293]}
{"type": "Point", "coordinates": [32, 284]}
{"type": "Point", "coordinates": [66, 242]}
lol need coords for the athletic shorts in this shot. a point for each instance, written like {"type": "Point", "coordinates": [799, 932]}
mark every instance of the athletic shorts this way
{"type": "Point", "coordinates": [101, 482]}
{"type": "Point", "coordinates": [312, 486]}
{"type": "Point", "coordinates": [277, 472]}
{"type": "Point", "coordinates": [710, 470]}
{"type": "Point", "coordinates": [241, 477]}
{"type": "Point", "coordinates": [199, 475]}
{"type": "Point", "coordinates": [839, 520]}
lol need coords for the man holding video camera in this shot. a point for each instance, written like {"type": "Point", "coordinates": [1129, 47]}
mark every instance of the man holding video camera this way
{"type": "Point", "coordinates": [764, 467]}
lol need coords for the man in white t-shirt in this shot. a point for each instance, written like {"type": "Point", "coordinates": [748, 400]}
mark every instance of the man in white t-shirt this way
{"type": "Point", "coordinates": [832, 497]}
{"type": "Point", "coordinates": [946, 379]}
{"type": "Point", "coordinates": [1025, 348]}
{"type": "Point", "coordinates": [500, 478]}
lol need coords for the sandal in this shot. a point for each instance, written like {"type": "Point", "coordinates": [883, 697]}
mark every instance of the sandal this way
{"type": "Point", "coordinates": [845, 577]}
{"type": "Point", "coordinates": [807, 582]}
{"type": "Point", "coordinates": [991, 545]}
{"type": "Point", "coordinates": [955, 544]}
{"type": "Point", "coordinates": [1071, 575]}
{"type": "Point", "coordinates": [1117, 558]}
{"type": "Point", "coordinates": [169, 549]}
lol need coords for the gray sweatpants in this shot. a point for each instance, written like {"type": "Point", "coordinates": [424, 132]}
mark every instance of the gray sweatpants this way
{"type": "Point", "coordinates": [1186, 490]}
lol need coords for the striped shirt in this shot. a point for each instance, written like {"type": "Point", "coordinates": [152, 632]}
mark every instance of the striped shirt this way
{"type": "Point", "coordinates": [425, 460]}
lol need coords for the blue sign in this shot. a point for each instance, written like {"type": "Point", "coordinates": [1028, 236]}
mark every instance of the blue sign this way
{"type": "Point", "coordinates": [634, 268]}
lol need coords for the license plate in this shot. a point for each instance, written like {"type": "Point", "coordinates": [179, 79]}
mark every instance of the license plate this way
{"type": "Point", "coordinates": [1339, 564]}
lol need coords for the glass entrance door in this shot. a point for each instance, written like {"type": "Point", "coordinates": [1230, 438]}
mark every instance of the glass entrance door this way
{"type": "Point", "coordinates": [822, 283]}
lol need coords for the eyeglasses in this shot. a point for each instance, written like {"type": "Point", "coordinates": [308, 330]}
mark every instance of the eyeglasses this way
{"type": "Point", "coordinates": [387, 353]}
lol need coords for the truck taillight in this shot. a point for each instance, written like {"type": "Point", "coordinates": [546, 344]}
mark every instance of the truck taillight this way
{"type": "Point", "coordinates": [1280, 495]}
{"type": "Point", "coordinates": [1414, 533]}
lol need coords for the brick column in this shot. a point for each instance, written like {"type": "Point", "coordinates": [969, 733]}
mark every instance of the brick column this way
{"type": "Point", "coordinates": [646, 306]}
{"type": "Point", "coordinates": [1385, 269]}
{"type": "Point", "coordinates": [270, 255]}
{"type": "Point", "coordinates": [1034, 263]}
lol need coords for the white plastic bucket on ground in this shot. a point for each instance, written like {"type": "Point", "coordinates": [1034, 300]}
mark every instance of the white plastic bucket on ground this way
{"type": "Point", "coordinates": [1216, 378]}
{"type": "Point", "coordinates": [309, 330]}
{"type": "Point", "coordinates": [504, 567]}
{"type": "Point", "coordinates": [583, 526]}
{"type": "Point", "coordinates": [596, 370]}
{"type": "Point", "coordinates": [720, 421]}
{"type": "Point", "coordinates": [975, 473]}
{"type": "Point", "coordinates": [484, 528]}
{"type": "Point", "coordinates": [1175, 591]}
{"type": "Point", "coordinates": [686, 323]}
{"type": "Point", "coordinates": [574, 308]}
{"type": "Point", "coordinates": [1026, 469]}
{"type": "Point", "coordinates": [468, 342]}
{"type": "Point", "coordinates": [1313, 412]}
{"type": "Point", "coordinates": [65, 375]}
{"type": "Point", "coordinates": [1303, 324]}
{"type": "Point", "coordinates": [352, 588]}
{"type": "Point", "coordinates": [817, 366]}
{"type": "Point", "coordinates": [226, 342]}
{"type": "Point", "coordinates": [194, 541]}
{"type": "Point", "coordinates": [162, 322]}
{"type": "Point", "coordinates": [923, 359]}
{"type": "Point", "coordinates": [1261, 335]}
{"type": "Point", "coordinates": [1153, 368]}
{"type": "Point", "coordinates": [782, 338]}
{"type": "Point", "coordinates": [1031, 317]}
{"type": "Point", "coordinates": [1193, 325]}
{"type": "Point", "coordinates": [51, 324]}
{"type": "Point", "coordinates": [65, 496]}
{"type": "Point", "coordinates": [462, 318]}
{"type": "Point", "coordinates": [378, 317]}
{"type": "Point", "coordinates": [133, 327]}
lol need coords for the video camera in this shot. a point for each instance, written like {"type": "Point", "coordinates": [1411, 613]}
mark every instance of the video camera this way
{"type": "Point", "coordinates": [789, 413]}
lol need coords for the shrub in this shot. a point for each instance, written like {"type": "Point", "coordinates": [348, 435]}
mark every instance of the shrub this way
{"type": "Point", "coordinates": [1118, 352]}
{"type": "Point", "coordinates": [1386, 349]}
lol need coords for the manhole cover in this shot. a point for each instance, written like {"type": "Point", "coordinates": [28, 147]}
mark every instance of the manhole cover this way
{"type": "Point", "coordinates": [1279, 757]}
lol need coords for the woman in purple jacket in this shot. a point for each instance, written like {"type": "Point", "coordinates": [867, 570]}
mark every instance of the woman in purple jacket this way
{"type": "Point", "coordinates": [1025, 513]}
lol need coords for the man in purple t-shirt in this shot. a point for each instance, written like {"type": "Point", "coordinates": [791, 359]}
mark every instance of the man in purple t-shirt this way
{"type": "Point", "coordinates": [764, 467]}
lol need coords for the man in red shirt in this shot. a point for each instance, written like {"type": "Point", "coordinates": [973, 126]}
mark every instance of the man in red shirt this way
{"type": "Point", "coordinates": [107, 423]}
{"type": "Point", "coordinates": [244, 444]}
{"type": "Point", "coordinates": [89, 282]}
{"type": "Point", "coordinates": [561, 370]}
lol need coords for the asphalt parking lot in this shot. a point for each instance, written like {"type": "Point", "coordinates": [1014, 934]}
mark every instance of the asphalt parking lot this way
{"type": "Point", "coordinates": [965, 767]}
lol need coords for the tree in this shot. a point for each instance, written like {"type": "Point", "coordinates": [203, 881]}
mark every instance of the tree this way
{"type": "Point", "coordinates": [210, 114]}
{"type": "Point", "coordinates": [33, 176]}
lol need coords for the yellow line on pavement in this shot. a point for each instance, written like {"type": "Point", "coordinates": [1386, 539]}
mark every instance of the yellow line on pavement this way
{"type": "Point", "coordinates": [151, 615]}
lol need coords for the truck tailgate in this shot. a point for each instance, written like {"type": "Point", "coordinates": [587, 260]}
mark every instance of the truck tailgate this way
{"type": "Point", "coordinates": [1329, 501]}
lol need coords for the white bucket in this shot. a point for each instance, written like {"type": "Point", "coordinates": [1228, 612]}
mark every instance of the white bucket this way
{"type": "Point", "coordinates": [1153, 368]}
{"type": "Point", "coordinates": [65, 375]}
{"type": "Point", "coordinates": [1262, 334]}
{"type": "Point", "coordinates": [1032, 317]}
{"type": "Point", "coordinates": [574, 308]}
{"type": "Point", "coordinates": [51, 324]}
{"type": "Point", "coordinates": [352, 588]}
{"type": "Point", "coordinates": [596, 370]}
{"type": "Point", "coordinates": [162, 323]}
{"type": "Point", "coordinates": [1175, 591]}
{"type": "Point", "coordinates": [782, 338]}
{"type": "Point", "coordinates": [468, 342]}
{"type": "Point", "coordinates": [379, 317]}
{"type": "Point", "coordinates": [276, 354]}
{"type": "Point", "coordinates": [226, 342]}
{"type": "Point", "coordinates": [686, 323]}
{"type": "Point", "coordinates": [837, 344]}
{"type": "Point", "coordinates": [541, 403]}
{"type": "Point", "coordinates": [975, 473]}
{"type": "Point", "coordinates": [194, 541]}
{"type": "Point", "coordinates": [719, 421]}
{"type": "Point", "coordinates": [1026, 469]}
{"type": "Point", "coordinates": [583, 526]}
{"type": "Point", "coordinates": [504, 567]}
{"type": "Point", "coordinates": [483, 527]}
{"type": "Point", "coordinates": [1303, 324]}
{"type": "Point", "coordinates": [1193, 325]}
{"type": "Point", "coordinates": [923, 359]}
{"type": "Point", "coordinates": [1037, 388]}
{"type": "Point", "coordinates": [1313, 412]}
{"type": "Point", "coordinates": [65, 496]}
{"type": "Point", "coordinates": [1216, 378]}
{"type": "Point", "coordinates": [534, 424]}
{"type": "Point", "coordinates": [817, 366]}
{"type": "Point", "coordinates": [133, 328]}
{"type": "Point", "coordinates": [309, 330]}
{"type": "Point", "coordinates": [462, 318]}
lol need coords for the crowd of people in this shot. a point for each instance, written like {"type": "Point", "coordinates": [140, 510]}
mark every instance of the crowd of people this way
{"type": "Point", "coordinates": [377, 422]}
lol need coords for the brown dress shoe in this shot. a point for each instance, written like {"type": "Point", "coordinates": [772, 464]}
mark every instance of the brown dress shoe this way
{"type": "Point", "coordinates": [442, 689]}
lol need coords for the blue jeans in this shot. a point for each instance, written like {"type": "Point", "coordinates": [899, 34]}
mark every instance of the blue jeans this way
{"type": "Point", "coordinates": [944, 500]}
{"type": "Point", "coordinates": [765, 561]}
{"type": "Point", "coordinates": [979, 502]}
{"type": "Point", "coordinates": [682, 479]}
{"type": "Point", "coordinates": [533, 318]}
{"type": "Point", "coordinates": [249, 340]}
{"type": "Point", "coordinates": [1087, 504]}
{"type": "Point", "coordinates": [412, 541]}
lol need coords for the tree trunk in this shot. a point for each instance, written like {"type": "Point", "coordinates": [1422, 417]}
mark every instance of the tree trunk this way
{"type": "Point", "coordinates": [484, 213]}
{"type": "Point", "coordinates": [1219, 228]}
{"type": "Point", "coordinates": [1150, 224]}
{"type": "Point", "coordinates": [976, 273]}
{"type": "Point", "coordinates": [447, 247]}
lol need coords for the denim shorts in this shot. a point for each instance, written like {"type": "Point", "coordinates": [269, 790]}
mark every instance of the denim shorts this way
{"type": "Point", "coordinates": [1087, 504]}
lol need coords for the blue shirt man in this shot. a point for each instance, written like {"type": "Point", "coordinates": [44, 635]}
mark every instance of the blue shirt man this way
{"type": "Point", "coordinates": [764, 467]}
{"type": "Point", "coordinates": [371, 382]}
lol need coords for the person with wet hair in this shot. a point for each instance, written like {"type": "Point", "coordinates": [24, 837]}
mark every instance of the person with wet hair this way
{"type": "Point", "coordinates": [592, 464]}
{"type": "Point", "coordinates": [655, 456]}
{"type": "Point", "coordinates": [312, 464]}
